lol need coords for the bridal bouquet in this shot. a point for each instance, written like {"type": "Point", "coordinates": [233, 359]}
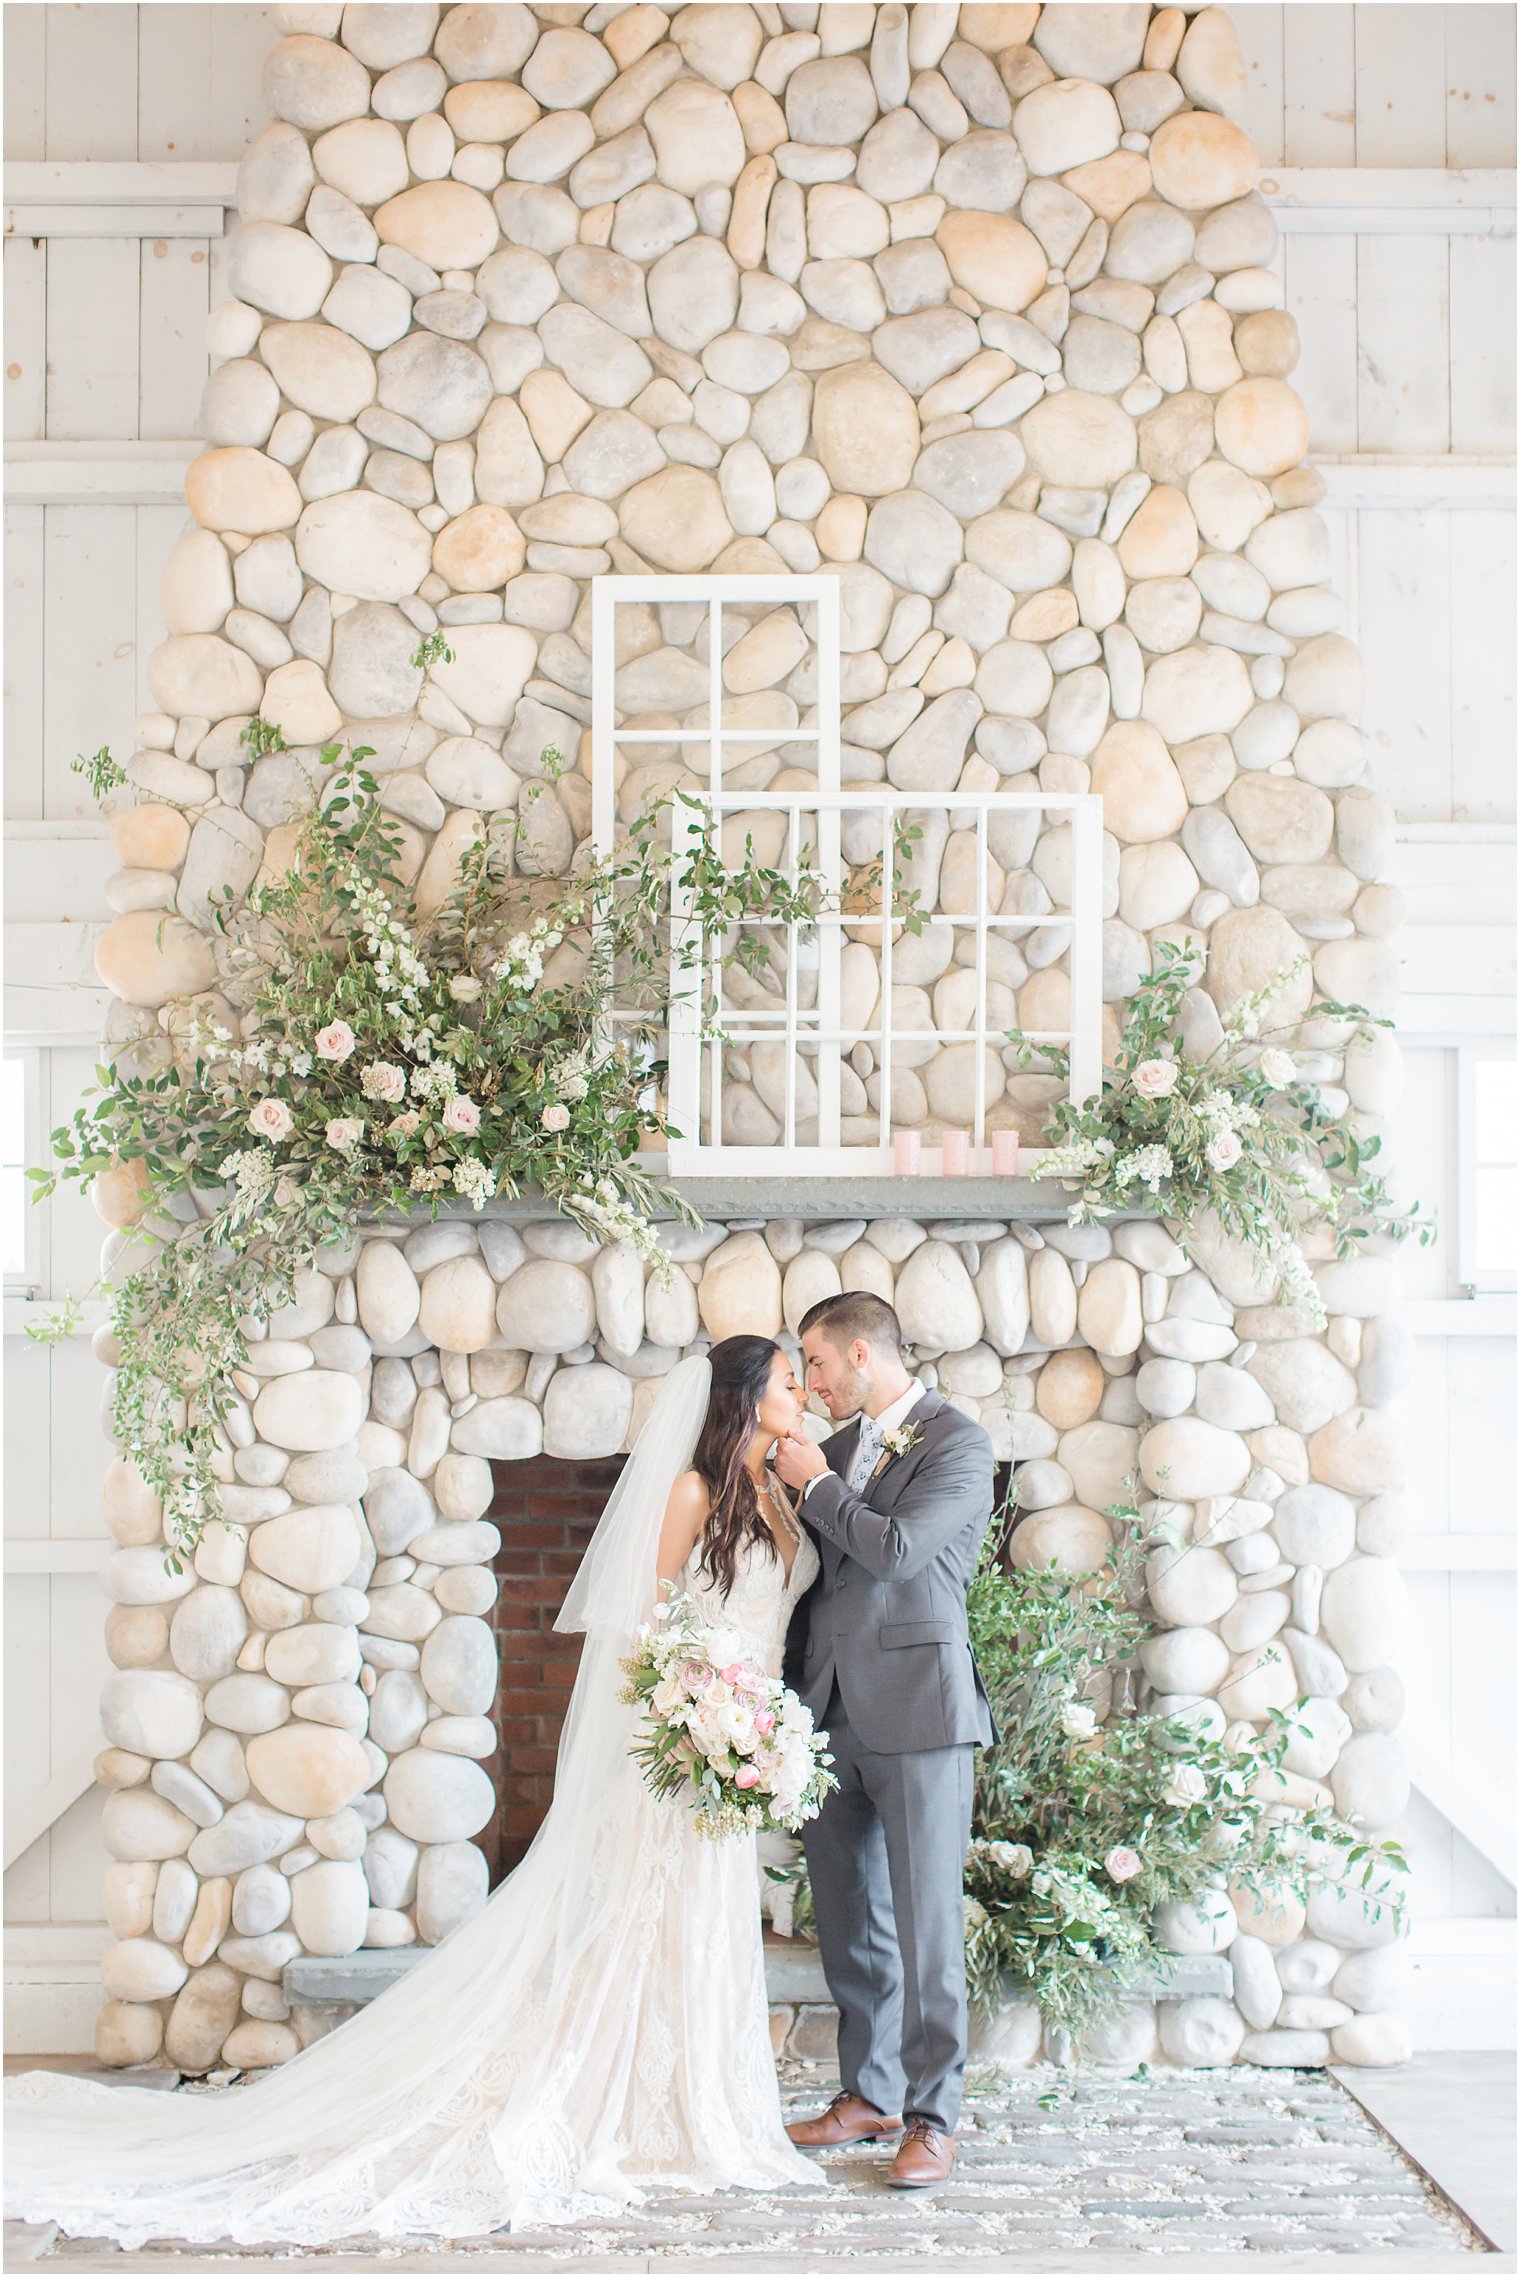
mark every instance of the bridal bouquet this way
{"type": "Point", "coordinates": [736, 1744]}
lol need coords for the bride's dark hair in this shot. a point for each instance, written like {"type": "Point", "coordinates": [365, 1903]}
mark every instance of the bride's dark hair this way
{"type": "Point", "coordinates": [741, 1370]}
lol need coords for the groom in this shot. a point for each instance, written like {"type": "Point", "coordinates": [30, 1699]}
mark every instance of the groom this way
{"type": "Point", "coordinates": [899, 1500]}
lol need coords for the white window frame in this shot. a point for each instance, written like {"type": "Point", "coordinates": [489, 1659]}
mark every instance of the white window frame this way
{"type": "Point", "coordinates": [1474, 1280]}
{"type": "Point", "coordinates": [695, 1054]}
{"type": "Point", "coordinates": [28, 1283]}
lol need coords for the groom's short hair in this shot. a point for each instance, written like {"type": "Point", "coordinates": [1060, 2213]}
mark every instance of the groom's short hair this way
{"type": "Point", "coordinates": [856, 1316]}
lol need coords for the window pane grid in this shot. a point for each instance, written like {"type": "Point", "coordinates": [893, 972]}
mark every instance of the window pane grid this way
{"type": "Point", "coordinates": [791, 1055]}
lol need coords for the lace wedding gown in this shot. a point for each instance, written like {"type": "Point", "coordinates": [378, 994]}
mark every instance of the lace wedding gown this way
{"type": "Point", "coordinates": [599, 2031]}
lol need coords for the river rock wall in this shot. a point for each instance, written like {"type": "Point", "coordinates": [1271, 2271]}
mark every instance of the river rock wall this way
{"type": "Point", "coordinates": [973, 308]}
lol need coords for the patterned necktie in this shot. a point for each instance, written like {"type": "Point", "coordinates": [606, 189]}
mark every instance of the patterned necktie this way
{"type": "Point", "coordinates": [867, 1452]}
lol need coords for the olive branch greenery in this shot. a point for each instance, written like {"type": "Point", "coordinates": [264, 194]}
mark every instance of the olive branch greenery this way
{"type": "Point", "coordinates": [1089, 1815]}
{"type": "Point", "coordinates": [433, 648]}
{"type": "Point", "coordinates": [261, 736]}
{"type": "Point", "coordinates": [363, 1055]}
{"type": "Point", "coordinates": [1241, 1132]}
{"type": "Point", "coordinates": [100, 771]}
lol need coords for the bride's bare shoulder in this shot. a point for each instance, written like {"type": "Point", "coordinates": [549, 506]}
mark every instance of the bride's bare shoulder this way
{"type": "Point", "coordinates": [689, 1497]}
{"type": "Point", "coordinates": [685, 1515]}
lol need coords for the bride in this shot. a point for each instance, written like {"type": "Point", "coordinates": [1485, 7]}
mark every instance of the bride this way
{"type": "Point", "coordinates": [599, 2031]}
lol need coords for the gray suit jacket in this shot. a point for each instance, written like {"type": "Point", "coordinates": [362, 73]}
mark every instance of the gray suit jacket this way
{"type": "Point", "coordinates": [886, 1618]}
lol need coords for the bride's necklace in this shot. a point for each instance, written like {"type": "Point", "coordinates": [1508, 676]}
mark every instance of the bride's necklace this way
{"type": "Point", "coordinates": [779, 1522]}
{"type": "Point", "coordinates": [765, 1492]}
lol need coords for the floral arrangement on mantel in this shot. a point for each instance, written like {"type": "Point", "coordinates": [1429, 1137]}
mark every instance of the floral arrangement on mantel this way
{"type": "Point", "coordinates": [360, 1057]}
{"type": "Point", "coordinates": [1243, 1132]}
{"type": "Point", "coordinates": [1089, 1817]}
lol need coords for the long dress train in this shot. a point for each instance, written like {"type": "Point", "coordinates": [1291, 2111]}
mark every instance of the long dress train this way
{"type": "Point", "coordinates": [599, 2031]}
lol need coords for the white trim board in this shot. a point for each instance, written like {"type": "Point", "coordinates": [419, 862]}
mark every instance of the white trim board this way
{"type": "Point", "coordinates": [94, 198]}
{"type": "Point", "coordinates": [1391, 201]}
{"type": "Point", "coordinates": [1468, 201]}
{"type": "Point", "coordinates": [1366, 482]}
{"type": "Point", "coordinates": [132, 473]}
{"type": "Point", "coordinates": [56, 1553]}
{"type": "Point", "coordinates": [127, 473]}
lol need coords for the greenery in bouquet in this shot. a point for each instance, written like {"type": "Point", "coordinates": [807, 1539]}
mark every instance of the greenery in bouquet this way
{"type": "Point", "coordinates": [719, 1735]}
{"type": "Point", "coordinates": [1243, 1131]}
{"type": "Point", "coordinates": [1090, 1815]}
{"type": "Point", "coordinates": [363, 1055]}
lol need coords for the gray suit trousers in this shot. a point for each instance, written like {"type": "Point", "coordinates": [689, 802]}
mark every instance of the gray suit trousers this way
{"type": "Point", "coordinates": [885, 1857]}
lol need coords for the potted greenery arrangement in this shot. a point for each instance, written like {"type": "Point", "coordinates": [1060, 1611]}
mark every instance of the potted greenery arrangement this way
{"type": "Point", "coordinates": [1092, 1812]}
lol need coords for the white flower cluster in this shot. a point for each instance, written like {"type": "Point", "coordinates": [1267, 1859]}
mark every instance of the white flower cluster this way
{"type": "Point", "coordinates": [476, 1181]}
{"type": "Point", "coordinates": [436, 1081]}
{"type": "Point", "coordinates": [571, 1077]}
{"type": "Point", "coordinates": [600, 1206]}
{"type": "Point", "coordinates": [1015, 1859]}
{"type": "Point", "coordinates": [1227, 1112]}
{"type": "Point", "coordinates": [1147, 1166]}
{"type": "Point", "coordinates": [399, 971]}
{"type": "Point", "coordinates": [521, 963]}
{"type": "Point", "coordinates": [249, 1170]}
{"type": "Point", "coordinates": [1299, 1286]}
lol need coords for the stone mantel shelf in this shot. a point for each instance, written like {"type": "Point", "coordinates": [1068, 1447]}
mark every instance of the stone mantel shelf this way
{"type": "Point", "coordinates": [1030, 1201]}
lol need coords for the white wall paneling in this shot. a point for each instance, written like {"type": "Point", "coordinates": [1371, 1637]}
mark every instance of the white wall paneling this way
{"type": "Point", "coordinates": [107, 81]}
{"type": "Point", "coordinates": [1379, 85]}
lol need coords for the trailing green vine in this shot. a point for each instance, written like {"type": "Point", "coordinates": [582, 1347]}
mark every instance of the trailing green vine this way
{"type": "Point", "coordinates": [362, 1055]}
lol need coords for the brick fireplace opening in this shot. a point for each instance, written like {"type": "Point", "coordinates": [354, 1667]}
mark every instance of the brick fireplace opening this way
{"type": "Point", "coordinates": [546, 1509]}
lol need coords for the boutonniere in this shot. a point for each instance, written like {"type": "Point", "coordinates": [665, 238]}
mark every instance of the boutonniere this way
{"type": "Point", "coordinates": [897, 1443]}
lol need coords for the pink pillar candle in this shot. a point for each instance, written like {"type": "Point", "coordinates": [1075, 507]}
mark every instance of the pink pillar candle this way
{"type": "Point", "coordinates": [955, 1154]}
{"type": "Point", "coordinates": [1005, 1154]}
{"type": "Point", "coordinates": [905, 1153]}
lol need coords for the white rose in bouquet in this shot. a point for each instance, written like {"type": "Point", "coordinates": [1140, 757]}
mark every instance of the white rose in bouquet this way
{"type": "Point", "coordinates": [737, 1725]}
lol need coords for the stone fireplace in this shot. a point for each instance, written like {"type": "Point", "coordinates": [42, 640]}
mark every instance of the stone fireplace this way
{"type": "Point", "coordinates": [975, 316]}
{"type": "Point", "coordinates": [374, 1742]}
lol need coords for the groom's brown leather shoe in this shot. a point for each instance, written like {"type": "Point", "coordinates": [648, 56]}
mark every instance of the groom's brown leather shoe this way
{"type": "Point", "coordinates": [924, 2158]}
{"type": "Point", "coordinates": [848, 2119]}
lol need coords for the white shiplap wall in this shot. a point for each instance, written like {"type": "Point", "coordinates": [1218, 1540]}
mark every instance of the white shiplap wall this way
{"type": "Point", "coordinates": [1408, 373]}
{"type": "Point", "coordinates": [1409, 361]}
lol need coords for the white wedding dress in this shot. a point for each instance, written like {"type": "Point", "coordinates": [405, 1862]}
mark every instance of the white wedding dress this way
{"type": "Point", "coordinates": [600, 2031]}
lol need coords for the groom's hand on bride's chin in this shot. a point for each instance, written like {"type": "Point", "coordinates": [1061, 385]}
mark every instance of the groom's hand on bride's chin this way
{"type": "Point", "coordinates": [799, 1458]}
